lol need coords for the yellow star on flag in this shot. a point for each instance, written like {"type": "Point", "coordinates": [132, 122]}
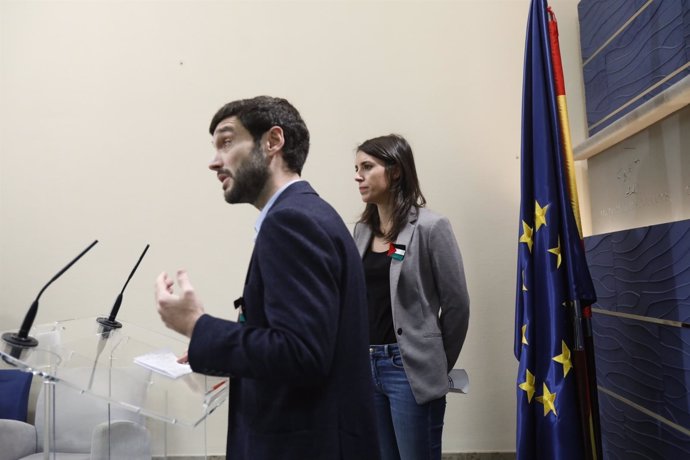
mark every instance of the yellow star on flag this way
{"type": "Point", "coordinates": [557, 252]}
{"type": "Point", "coordinates": [539, 215]}
{"type": "Point", "coordinates": [524, 337]}
{"type": "Point", "coordinates": [526, 235]}
{"type": "Point", "coordinates": [528, 385]}
{"type": "Point", "coordinates": [548, 400]}
{"type": "Point", "coordinates": [564, 358]}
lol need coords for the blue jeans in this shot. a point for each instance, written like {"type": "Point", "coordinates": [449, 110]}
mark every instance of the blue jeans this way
{"type": "Point", "coordinates": [407, 430]}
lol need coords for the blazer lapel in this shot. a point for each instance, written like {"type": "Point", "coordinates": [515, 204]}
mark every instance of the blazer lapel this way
{"type": "Point", "coordinates": [404, 238]}
{"type": "Point", "coordinates": [363, 236]}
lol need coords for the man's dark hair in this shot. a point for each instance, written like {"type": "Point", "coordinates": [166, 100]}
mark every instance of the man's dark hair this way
{"type": "Point", "coordinates": [260, 114]}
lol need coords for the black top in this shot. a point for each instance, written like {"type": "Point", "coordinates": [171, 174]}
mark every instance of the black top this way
{"type": "Point", "coordinates": [377, 274]}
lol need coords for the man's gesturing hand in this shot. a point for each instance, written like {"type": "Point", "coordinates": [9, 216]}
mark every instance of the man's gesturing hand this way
{"type": "Point", "coordinates": [179, 312]}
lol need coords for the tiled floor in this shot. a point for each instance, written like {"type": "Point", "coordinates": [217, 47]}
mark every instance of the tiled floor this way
{"type": "Point", "coordinates": [446, 456]}
{"type": "Point", "coordinates": [480, 456]}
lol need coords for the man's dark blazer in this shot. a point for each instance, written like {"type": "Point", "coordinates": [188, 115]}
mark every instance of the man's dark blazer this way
{"type": "Point", "coordinates": [301, 384]}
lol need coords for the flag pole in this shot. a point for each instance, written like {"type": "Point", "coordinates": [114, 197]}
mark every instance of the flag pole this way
{"type": "Point", "coordinates": [582, 316]}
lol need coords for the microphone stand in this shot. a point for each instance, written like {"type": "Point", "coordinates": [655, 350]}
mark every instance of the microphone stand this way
{"type": "Point", "coordinates": [20, 341]}
{"type": "Point", "coordinates": [109, 324]}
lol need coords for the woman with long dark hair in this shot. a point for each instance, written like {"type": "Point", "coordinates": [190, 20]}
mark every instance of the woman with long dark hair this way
{"type": "Point", "coordinates": [417, 297]}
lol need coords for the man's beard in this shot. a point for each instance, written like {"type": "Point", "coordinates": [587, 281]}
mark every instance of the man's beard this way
{"type": "Point", "coordinates": [249, 179]}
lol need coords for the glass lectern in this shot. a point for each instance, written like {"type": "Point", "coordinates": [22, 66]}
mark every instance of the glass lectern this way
{"type": "Point", "coordinates": [96, 398]}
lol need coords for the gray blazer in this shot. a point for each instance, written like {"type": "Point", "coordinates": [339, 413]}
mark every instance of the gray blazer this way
{"type": "Point", "coordinates": [430, 279]}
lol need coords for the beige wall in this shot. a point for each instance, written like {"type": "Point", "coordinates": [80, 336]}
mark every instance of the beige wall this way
{"type": "Point", "coordinates": [104, 107]}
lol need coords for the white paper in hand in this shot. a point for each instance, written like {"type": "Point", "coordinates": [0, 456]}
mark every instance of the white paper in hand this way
{"type": "Point", "coordinates": [459, 381]}
{"type": "Point", "coordinates": [164, 362]}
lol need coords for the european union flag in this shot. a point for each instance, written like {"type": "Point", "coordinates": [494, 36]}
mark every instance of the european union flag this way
{"type": "Point", "coordinates": [553, 280]}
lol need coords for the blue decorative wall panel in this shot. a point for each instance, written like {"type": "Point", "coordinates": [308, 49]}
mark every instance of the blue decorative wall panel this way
{"type": "Point", "coordinates": [629, 434]}
{"type": "Point", "coordinates": [631, 50]}
{"type": "Point", "coordinates": [645, 363]}
{"type": "Point", "coordinates": [598, 20]}
{"type": "Point", "coordinates": [641, 326]}
{"type": "Point", "coordinates": [643, 271]}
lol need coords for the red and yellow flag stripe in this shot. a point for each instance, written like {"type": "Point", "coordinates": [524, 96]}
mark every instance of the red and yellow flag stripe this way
{"type": "Point", "coordinates": [559, 82]}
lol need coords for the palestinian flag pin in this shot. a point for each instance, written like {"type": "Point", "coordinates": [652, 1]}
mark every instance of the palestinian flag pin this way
{"type": "Point", "coordinates": [396, 251]}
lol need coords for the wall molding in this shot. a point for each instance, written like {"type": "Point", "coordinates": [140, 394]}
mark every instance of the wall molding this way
{"type": "Point", "coordinates": [660, 106]}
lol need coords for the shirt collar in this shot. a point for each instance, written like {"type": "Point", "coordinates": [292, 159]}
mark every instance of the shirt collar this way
{"type": "Point", "coordinates": [269, 204]}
